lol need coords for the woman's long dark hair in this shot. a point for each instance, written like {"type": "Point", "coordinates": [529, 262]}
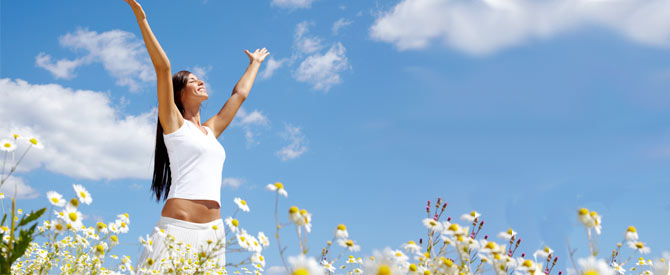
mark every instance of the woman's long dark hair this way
{"type": "Point", "coordinates": [160, 185]}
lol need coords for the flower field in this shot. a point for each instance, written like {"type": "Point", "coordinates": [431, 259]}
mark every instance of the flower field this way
{"type": "Point", "coordinates": [69, 246]}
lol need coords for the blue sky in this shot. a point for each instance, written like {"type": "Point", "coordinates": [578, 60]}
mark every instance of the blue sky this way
{"type": "Point", "coordinates": [523, 111]}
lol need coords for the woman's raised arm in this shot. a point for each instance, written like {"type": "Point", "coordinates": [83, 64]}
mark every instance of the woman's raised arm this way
{"type": "Point", "coordinates": [168, 114]}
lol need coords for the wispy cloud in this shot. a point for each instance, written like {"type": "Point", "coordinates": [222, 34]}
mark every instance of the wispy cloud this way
{"type": "Point", "coordinates": [322, 70]}
{"type": "Point", "coordinates": [297, 143]}
{"type": "Point", "coordinates": [233, 183]}
{"type": "Point", "coordinates": [486, 26]}
{"type": "Point", "coordinates": [84, 135]}
{"type": "Point", "coordinates": [250, 122]}
{"type": "Point", "coordinates": [271, 66]}
{"type": "Point", "coordinates": [293, 4]}
{"type": "Point", "coordinates": [122, 55]}
{"type": "Point", "coordinates": [23, 190]}
{"type": "Point", "coordinates": [341, 23]}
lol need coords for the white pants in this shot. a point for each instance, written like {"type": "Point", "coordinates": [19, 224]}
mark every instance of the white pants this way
{"type": "Point", "coordinates": [198, 237]}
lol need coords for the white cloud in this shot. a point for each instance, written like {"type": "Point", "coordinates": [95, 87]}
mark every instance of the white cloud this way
{"type": "Point", "coordinates": [484, 26]}
{"type": "Point", "coordinates": [63, 68]}
{"type": "Point", "coordinates": [275, 270]}
{"type": "Point", "coordinates": [341, 23]}
{"type": "Point", "coordinates": [297, 145]}
{"type": "Point", "coordinates": [83, 135]}
{"type": "Point", "coordinates": [271, 67]}
{"type": "Point", "coordinates": [292, 4]}
{"type": "Point", "coordinates": [23, 190]}
{"type": "Point", "coordinates": [323, 70]}
{"type": "Point", "coordinates": [233, 183]}
{"type": "Point", "coordinates": [306, 44]}
{"type": "Point", "coordinates": [250, 122]}
{"type": "Point", "coordinates": [122, 55]}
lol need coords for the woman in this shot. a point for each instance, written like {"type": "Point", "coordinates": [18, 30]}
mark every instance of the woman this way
{"type": "Point", "coordinates": [188, 156]}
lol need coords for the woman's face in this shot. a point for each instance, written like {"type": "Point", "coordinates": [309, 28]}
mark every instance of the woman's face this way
{"type": "Point", "coordinates": [194, 91]}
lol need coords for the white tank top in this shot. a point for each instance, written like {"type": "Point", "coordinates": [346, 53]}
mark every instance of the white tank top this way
{"type": "Point", "coordinates": [196, 163]}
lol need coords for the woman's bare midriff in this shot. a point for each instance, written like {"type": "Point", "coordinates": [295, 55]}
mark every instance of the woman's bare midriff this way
{"type": "Point", "coordinates": [198, 211]}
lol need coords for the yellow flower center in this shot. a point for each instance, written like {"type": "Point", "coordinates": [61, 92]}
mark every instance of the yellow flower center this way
{"type": "Point", "coordinates": [33, 141]}
{"type": "Point", "coordinates": [490, 245]}
{"type": "Point", "coordinates": [447, 262]}
{"type": "Point", "coordinates": [243, 202]}
{"type": "Point", "coordinates": [215, 227]}
{"type": "Point", "coordinates": [427, 272]}
{"type": "Point", "coordinates": [54, 200]}
{"type": "Point", "coordinates": [432, 223]}
{"type": "Point", "coordinates": [74, 202]}
{"type": "Point", "coordinates": [527, 263]}
{"type": "Point", "coordinates": [150, 261]}
{"type": "Point", "coordinates": [278, 185]}
{"type": "Point", "coordinates": [411, 242]}
{"type": "Point", "coordinates": [473, 213]}
{"type": "Point", "coordinates": [303, 212]}
{"type": "Point", "coordinates": [7, 145]}
{"type": "Point", "coordinates": [510, 231]}
{"type": "Point", "coordinates": [293, 210]}
{"type": "Point", "coordinates": [59, 227]}
{"type": "Point", "coordinates": [100, 249]}
{"type": "Point", "coordinates": [583, 211]}
{"type": "Point", "coordinates": [412, 268]}
{"type": "Point", "coordinates": [349, 243]}
{"type": "Point", "coordinates": [114, 238]}
{"type": "Point", "coordinates": [547, 249]}
{"type": "Point", "coordinates": [16, 136]}
{"type": "Point", "coordinates": [453, 227]}
{"type": "Point", "coordinates": [82, 194]}
{"type": "Point", "coordinates": [260, 257]}
{"type": "Point", "coordinates": [631, 229]}
{"type": "Point", "coordinates": [123, 224]}
{"type": "Point", "coordinates": [341, 227]}
{"type": "Point", "coordinates": [73, 216]}
{"type": "Point", "coordinates": [398, 254]}
{"type": "Point", "coordinates": [590, 272]}
{"type": "Point", "coordinates": [639, 245]}
{"type": "Point", "coordinates": [593, 214]}
{"type": "Point", "coordinates": [235, 222]}
{"type": "Point", "coordinates": [300, 271]}
{"type": "Point", "coordinates": [384, 270]}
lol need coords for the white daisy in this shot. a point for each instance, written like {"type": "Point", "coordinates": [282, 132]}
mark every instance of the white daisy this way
{"type": "Point", "coordinates": [83, 195]}
{"type": "Point", "coordinates": [411, 247]}
{"type": "Point", "coordinates": [100, 249]}
{"type": "Point", "coordinates": [349, 244]}
{"type": "Point", "coordinates": [243, 240]}
{"type": "Point", "coordinates": [640, 247]}
{"type": "Point", "coordinates": [662, 265]}
{"type": "Point", "coordinates": [242, 204]}
{"type": "Point", "coordinates": [507, 235]}
{"type": "Point", "coordinates": [101, 227]}
{"type": "Point", "coordinates": [2, 195]}
{"type": "Point", "coordinates": [470, 216]}
{"type": "Point", "coordinates": [277, 186]}
{"type": "Point", "coordinates": [55, 198]}
{"type": "Point", "coordinates": [35, 143]}
{"type": "Point", "coordinates": [618, 268]}
{"type": "Point", "coordinates": [327, 266]}
{"type": "Point", "coordinates": [592, 265]}
{"type": "Point", "coordinates": [382, 263]}
{"type": "Point", "coordinates": [304, 266]}
{"type": "Point", "coordinates": [258, 259]}
{"type": "Point", "coordinates": [307, 217]}
{"type": "Point", "coordinates": [542, 254]}
{"type": "Point", "coordinates": [341, 232]}
{"type": "Point", "coordinates": [631, 234]}
{"type": "Point", "coordinates": [265, 242]}
{"type": "Point", "coordinates": [233, 224]}
{"type": "Point", "coordinates": [122, 226]}
{"type": "Point", "coordinates": [432, 224]}
{"type": "Point", "coordinates": [294, 215]}
{"type": "Point", "coordinates": [124, 217]}
{"type": "Point", "coordinates": [7, 145]}
{"type": "Point", "coordinates": [72, 217]}
{"type": "Point", "coordinates": [147, 243]}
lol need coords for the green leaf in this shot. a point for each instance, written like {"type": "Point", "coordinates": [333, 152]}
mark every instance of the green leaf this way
{"type": "Point", "coordinates": [31, 217]}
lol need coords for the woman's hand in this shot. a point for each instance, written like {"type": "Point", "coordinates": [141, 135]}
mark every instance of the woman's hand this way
{"type": "Point", "coordinates": [137, 9]}
{"type": "Point", "coordinates": [257, 56]}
